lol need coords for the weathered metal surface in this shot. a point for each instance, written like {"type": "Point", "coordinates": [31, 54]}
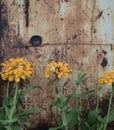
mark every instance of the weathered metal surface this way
{"type": "Point", "coordinates": [80, 33]}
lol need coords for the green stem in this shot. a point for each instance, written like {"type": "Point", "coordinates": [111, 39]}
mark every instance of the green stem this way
{"type": "Point", "coordinates": [59, 93]}
{"type": "Point", "coordinates": [64, 120]}
{"type": "Point", "coordinates": [96, 110]}
{"type": "Point", "coordinates": [13, 109]}
{"type": "Point", "coordinates": [14, 100]}
{"type": "Point", "coordinates": [97, 103]}
{"type": "Point", "coordinates": [77, 102]}
{"type": "Point", "coordinates": [9, 127]}
{"type": "Point", "coordinates": [77, 99]}
{"type": "Point", "coordinates": [60, 96]}
{"type": "Point", "coordinates": [7, 93]}
{"type": "Point", "coordinates": [110, 100]}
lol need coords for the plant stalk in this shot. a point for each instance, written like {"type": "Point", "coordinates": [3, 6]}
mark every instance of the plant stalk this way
{"type": "Point", "coordinates": [14, 100]}
{"type": "Point", "coordinates": [7, 93]}
{"type": "Point", "coordinates": [9, 127]}
{"type": "Point", "coordinates": [60, 96]}
{"type": "Point", "coordinates": [110, 101]}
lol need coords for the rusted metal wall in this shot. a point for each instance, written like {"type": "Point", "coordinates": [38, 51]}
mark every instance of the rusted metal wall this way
{"type": "Point", "coordinates": [79, 32]}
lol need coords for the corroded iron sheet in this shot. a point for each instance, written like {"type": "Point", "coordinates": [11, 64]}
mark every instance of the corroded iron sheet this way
{"type": "Point", "coordinates": [80, 33]}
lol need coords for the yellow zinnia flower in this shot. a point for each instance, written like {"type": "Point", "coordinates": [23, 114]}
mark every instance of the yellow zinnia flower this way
{"type": "Point", "coordinates": [103, 80]}
{"type": "Point", "coordinates": [59, 69]}
{"type": "Point", "coordinates": [16, 69]}
{"type": "Point", "coordinates": [108, 78]}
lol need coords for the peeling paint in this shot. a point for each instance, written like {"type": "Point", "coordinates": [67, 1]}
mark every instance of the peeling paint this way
{"type": "Point", "coordinates": [106, 28]}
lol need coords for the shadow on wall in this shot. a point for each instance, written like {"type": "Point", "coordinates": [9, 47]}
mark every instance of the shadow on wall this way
{"type": "Point", "coordinates": [42, 126]}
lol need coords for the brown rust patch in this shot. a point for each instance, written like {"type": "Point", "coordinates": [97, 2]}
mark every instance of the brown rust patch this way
{"type": "Point", "coordinates": [99, 15]}
{"type": "Point", "coordinates": [66, 0]}
{"type": "Point", "coordinates": [104, 52]}
{"type": "Point", "coordinates": [1, 56]}
{"type": "Point", "coordinates": [58, 54]}
{"type": "Point", "coordinates": [27, 12]}
{"type": "Point", "coordinates": [3, 20]}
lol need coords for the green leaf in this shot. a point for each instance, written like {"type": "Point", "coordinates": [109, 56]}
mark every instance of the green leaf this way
{"type": "Point", "coordinates": [28, 112]}
{"type": "Point", "coordinates": [7, 111]}
{"type": "Point", "coordinates": [52, 129]}
{"type": "Point", "coordinates": [81, 77]}
{"type": "Point", "coordinates": [16, 127]}
{"type": "Point", "coordinates": [93, 118]}
{"type": "Point", "coordinates": [110, 118]}
{"type": "Point", "coordinates": [67, 100]}
{"type": "Point", "coordinates": [77, 96]}
{"type": "Point", "coordinates": [72, 116]}
{"type": "Point", "coordinates": [7, 101]}
{"type": "Point", "coordinates": [24, 121]}
{"type": "Point", "coordinates": [4, 122]}
{"type": "Point", "coordinates": [84, 126]}
{"type": "Point", "coordinates": [56, 128]}
{"type": "Point", "coordinates": [58, 103]}
{"type": "Point", "coordinates": [9, 121]}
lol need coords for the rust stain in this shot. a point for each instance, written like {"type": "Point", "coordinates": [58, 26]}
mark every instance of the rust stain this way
{"type": "Point", "coordinates": [99, 15]}
{"type": "Point", "coordinates": [3, 20]}
{"type": "Point", "coordinates": [27, 12]}
{"type": "Point", "coordinates": [104, 52]}
{"type": "Point", "coordinates": [92, 20]}
{"type": "Point", "coordinates": [66, 0]}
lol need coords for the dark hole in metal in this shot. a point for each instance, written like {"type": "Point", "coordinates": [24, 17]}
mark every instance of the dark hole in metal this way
{"type": "Point", "coordinates": [104, 62]}
{"type": "Point", "coordinates": [35, 40]}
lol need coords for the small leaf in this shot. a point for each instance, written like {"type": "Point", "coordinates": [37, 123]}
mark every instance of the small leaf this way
{"type": "Point", "coordinates": [93, 118]}
{"type": "Point", "coordinates": [58, 103]}
{"type": "Point", "coordinates": [25, 122]}
{"type": "Point", "coordinates": [16, 127]}
{"type": "Point", "coordinates": [77, 96]}
{"type": "Point", "coordinates": [4, 122]}
{"type": "Point", "coordinates": [84, 126]}
{"type": "Point", "coordinates": [28, 112]}
{"type": "Point", "coordinates": [72, 116]}
{"type": "Point", "coordinates": [81, 77]}
{"type": "Point", "coordinates": [110, 118]}
{"type": "Point", "coordinates": [67, 100]}
{"type": "Point", "coordinates": [56, 128]}
{"type": "Point", "coordinates": [7, 111]}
